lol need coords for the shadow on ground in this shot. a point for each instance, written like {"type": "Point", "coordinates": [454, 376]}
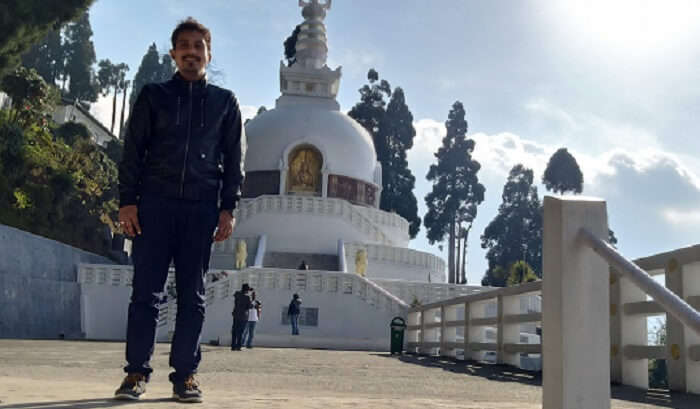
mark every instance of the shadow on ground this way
{"type": "Point", "coordinates": [79, 404]}
{"type": "Point", "coordinates": [505, 373]}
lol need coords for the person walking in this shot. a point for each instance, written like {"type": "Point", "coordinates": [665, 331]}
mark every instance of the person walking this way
{"type": "Point", "coordinates": [254, 315]}
{"type": "Point", "coordinates": [241, 306]}
{"type": "Point", "coordinates": [179, 181]}
{"type": "Point", "coordinates": [293, 312]}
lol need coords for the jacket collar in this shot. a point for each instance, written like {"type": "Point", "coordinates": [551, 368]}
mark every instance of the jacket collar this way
{"type": "Point", "coordinates": [184, 84]}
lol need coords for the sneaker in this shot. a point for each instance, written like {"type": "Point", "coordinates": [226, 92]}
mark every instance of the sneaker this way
{"type": "Point", "coordinates": [187, 390]}
{"type": "Point", "coordinates": [132, 388]}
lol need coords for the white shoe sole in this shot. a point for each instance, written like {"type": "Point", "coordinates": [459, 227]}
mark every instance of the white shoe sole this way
{"type": "Point", "coordinates": [124, 396]}
{"type": "Point", "coordinates": [193, 399]}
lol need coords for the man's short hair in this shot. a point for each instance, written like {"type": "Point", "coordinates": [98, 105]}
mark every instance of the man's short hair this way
{"type": "Point", "coordinates": [191, 24]}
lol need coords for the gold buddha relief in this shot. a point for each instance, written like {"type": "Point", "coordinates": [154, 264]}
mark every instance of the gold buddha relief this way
{"type": "Point", "coordinates": [304, 171]}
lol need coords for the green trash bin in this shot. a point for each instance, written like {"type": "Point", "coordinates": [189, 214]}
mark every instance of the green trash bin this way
{"type": "Point", "coordinates": [398, 325]}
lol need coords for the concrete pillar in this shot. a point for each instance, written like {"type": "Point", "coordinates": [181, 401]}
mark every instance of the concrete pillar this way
{"type": "Point", "coordinates": [443, 330]}
{"type": "Point", "coordinates": [616, 314]}
{"type": "Point", "coordinates": [691, 288]}
{"type": "Point", "coordinates": [676, 353]}
{"type": "Point", "coordinates": [633, 331]}
{"type": "Point", "coordinates": [467, 330]}
{"type": "Point", "coordinates": [575, 307]}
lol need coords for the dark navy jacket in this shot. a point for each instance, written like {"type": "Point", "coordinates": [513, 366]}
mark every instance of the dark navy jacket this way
{"type": "Point", "coordinates": [184, 140]}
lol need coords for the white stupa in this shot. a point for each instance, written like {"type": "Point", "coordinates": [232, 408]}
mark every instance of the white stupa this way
{"type": "Point", "coordinates": [313, 181]}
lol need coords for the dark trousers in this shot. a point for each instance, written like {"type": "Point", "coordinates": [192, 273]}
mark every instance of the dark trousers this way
{"type": "Point", "coordinates": [180, 231]}
{"type": "Point", "coordinates": [239, 326]}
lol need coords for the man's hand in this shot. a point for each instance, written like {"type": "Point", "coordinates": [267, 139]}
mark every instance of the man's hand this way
{"type": "Point", "coordinates": [129, 220]}
{"type": "Point", "coordinates": [225, 227]}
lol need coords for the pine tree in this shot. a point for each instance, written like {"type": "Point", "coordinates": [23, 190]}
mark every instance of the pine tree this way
{"type": "Point", "coordinates": [456, 189]}
{"type": "Point", "coordinates": [26, 22]}
{"type": "Point", "coordinates": [153, 68]}
{"type": "Point", "coordinates": [47, 57]}
{"type": "Point", "coordinates": [80, 58]}
{"type": "Point", "coordinates": [290, 46]}
{"type": "Point", "coordinates": [563, 173]}
{"type": "Point", "coordinates": [111, 77]}
{"type": "Point", "coordinates": [516, 232]}
{"type": "Point", "coordinates": [392, 131]}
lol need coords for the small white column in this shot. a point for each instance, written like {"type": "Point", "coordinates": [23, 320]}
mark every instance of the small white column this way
{"type": "Point", "coordinates": [691, 288]}
{"type": "Point", "coordinates": [633, 331]}
{"type": "Point", "coordinates": [324, 183]}
{"type": "Point", "coordinates": [511, 332]}
{"type": "Point", "coordinates": [575, 307]}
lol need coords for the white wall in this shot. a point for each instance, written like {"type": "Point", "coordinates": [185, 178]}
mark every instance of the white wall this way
{"type": "Point", "coordinates": [354, 313]}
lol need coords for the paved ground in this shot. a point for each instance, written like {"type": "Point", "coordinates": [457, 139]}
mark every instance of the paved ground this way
{"type": "Point", "coordinates": [84, 375]}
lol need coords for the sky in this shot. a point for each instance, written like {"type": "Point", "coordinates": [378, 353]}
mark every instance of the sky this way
{"type": "Point", "coordinates": [616, 83]}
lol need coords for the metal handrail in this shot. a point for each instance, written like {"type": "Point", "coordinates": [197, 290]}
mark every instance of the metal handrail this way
{"type": "Point", "coordinates": [668, 300]}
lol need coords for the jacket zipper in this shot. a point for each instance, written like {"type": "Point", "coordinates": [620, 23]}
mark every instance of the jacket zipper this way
{"type": "Point", "coordinates": [177, 120]}
{"type": "Point", "coordinates": [187, 147]}
{"type": "Point", "coordinates": [201, 112]}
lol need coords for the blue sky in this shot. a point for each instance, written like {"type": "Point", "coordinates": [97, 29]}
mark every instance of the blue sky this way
{"type": "Point", "coordinates": [614, 82]}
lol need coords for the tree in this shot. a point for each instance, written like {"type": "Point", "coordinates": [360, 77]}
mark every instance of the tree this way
{"type": "Point", "coordinates": [456, 189]}
{"type": "Point", "coordinates": [516, 232]}
{"type": "Point", "coordinates": [32, 98]}
{"type": "Point", "coordinates": [392, 131]}
{"type": "Point", "coordinates": [290, 46]}
{"type": "Point", "coordinates": [26, 22]}
{"type": "Point", "coordinates": [167, 67]}
{"type": "Point", "coordinates": [80, 58]}
{"type": "Point", "coordinates": [520, 272]}
{"type": "Point", "coordinates": [563, 173]}
{"type": "Point", "coordinates": [48, 57]}
{"type": "Point", "coordinates": [153, 68]}
{"type": "Point", "coordinates": [112, 77]}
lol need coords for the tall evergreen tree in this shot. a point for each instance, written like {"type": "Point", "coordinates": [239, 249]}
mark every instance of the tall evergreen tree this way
{"type": "Point", "coordinates": [563, 173]}
{"type": "Point", "coordinates": [111, 77]}
{"type": "Point", "coordinates": [80, 58]}
{"type": "Point", "coordinates": [397, 180]}
{"type": "Point", "coordinates": [153, 68]}
{"type": "Point", "coordinates": [456, 189]}
{"type": "Point", "coordinates": [167, 67]}
{"type": "Point", "coordinates": [124, 87]}
{"type": "Point", "coordinates": [290, 46]}
{"type": "Point", "coordinates": [392, 131]}
{"type": "Point", "coordinates": [48, 57]}
{"type": "Point", "coordinates": [26, 22]}
{"type": "Point", "coordinates": [516, 232]}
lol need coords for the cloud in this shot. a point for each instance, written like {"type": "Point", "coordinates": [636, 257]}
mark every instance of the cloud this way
{"type": "Point", "coordinates": [586, 132]}
{"type": "Point", "coordinates": [653, 196]}
{"type": "Point", "coordinates": [102, 111]}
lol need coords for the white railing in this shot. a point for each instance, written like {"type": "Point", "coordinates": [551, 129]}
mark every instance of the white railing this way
{"type": "Point", "coordinates": [317, 206]}
{"type": "Point", "coordinates": [594, 313]}
{"type": "Point", "coordinates": [307, 281]}
{"type": "Point", "coordinates": [424, 293]}
{"type": "Point", "coordinates": [454, 327]}
{"type": "Point", "coordinates": [395, 255]}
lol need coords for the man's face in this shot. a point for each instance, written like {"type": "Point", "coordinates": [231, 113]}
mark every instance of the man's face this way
{"type": "Point", "coordinates": [191, 54]}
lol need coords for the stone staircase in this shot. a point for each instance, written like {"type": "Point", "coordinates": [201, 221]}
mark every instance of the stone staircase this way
{"type": "Point", "coordinates": [326, 262]}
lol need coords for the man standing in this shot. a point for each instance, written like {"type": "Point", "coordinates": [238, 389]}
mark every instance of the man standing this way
{"type": "Point", "coordinates": [179, 182]}
{"type": "Point", "coordinates": [241, 306]}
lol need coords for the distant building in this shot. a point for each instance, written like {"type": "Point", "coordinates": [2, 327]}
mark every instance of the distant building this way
{"type": "Point", "coordinates": [68, 111]}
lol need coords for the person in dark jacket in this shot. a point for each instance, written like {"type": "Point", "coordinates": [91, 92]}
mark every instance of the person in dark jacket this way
{"type": "Point", "coordinates": [241, 304]}
{"type": "Point", "coordinates": [179, 181]}
{"type": "Point", "coordinates": [293, 312]}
